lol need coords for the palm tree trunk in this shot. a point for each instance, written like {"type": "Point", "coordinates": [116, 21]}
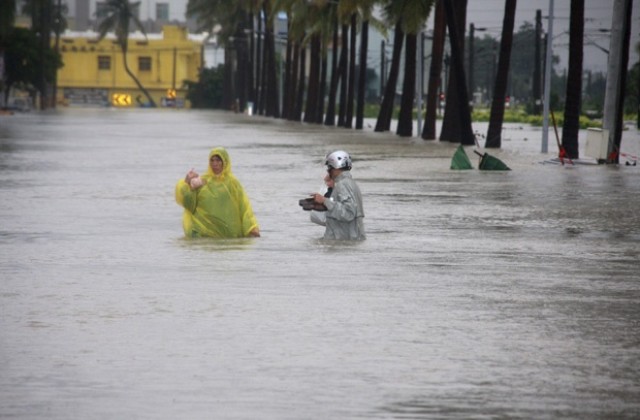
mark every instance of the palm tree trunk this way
{"type": "Point", "coordinates": [537, 71]}
{"type": "Point", "coordinates": [272, 103]}
{"type": "Point", "coordinates": [297, 115]}
{"type": "Point", "coordinates": [330, 118]}
{"type": "Point", "coordinates": [152, 103]}
{"type": "Point", "coordinates": [58, 13]}
{"type": "Point", "coordinates": [435, 70]}
{"type": "Point", "coordinates": [260, 72]}
{"type": "Point", "coordinates": [352, 73]}
{"type": "Point", "coordinates": [251, 97]}
{"type": "Point", "coordinates": [362, 79]}
{"type": "Point", "coordinates": [44, 30]}
{"type": "Point", "coordinates": [450, 129]}
{"type": "Point", "coordinates": [571, 125]}
{"type": "Point", "coordinates": [227, 86]}
{"type": "Point", "coordinates": [383, 122]}
{"type": "Point", "coordinates": [405, 119]}
{"type": "Point", "coordinates": [242, 57]}
{"type": "Point", "coordinates": [624, 63]}
{"type": "Point", "coordinates": [293, 85]}
{"type": "Point", "coordinates": [461, 132]}
{"type": "Point", "coordinates": [286, 97]}
{"type": "Point", "coordinates": [314, 80]}
{"type": "Point", "coordinates": [323, 85]}
{"type": "Point", "coordinates": [344, 83]}
{"type": "Point", "coordinates": [494, 133]}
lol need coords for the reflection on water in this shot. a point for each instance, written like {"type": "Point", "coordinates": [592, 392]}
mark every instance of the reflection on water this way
{"type": "Point", "coordinates": [476, 294]}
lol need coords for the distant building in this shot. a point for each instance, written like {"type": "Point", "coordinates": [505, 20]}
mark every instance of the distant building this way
{"type": "Point", "coordinates": [94, 72]}
{"type": "Point", "coordinates": [154, 14]}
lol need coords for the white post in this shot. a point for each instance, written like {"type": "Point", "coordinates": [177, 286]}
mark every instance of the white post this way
{"type": "Point", "coordinates": [547, 82]}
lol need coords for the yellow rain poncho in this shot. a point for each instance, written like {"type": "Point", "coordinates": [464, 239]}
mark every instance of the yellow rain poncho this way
{"type": "Point", "coordinates": [220, 208]}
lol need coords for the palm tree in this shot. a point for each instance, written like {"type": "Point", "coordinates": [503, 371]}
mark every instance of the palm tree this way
{"type": "Point", "coordinates": [348, 119]}
{"type": "Point", "coordinates": [366, 10]}
{"type": "Point", "coordinates": [315, 62]}
{"type": "Point", "coordinates": [437, 50]}
{"type": "Point", "coordinates": [330, 116]}
{"type": "Point", "coordinates": [119, 14]}
{"type": "Point", "coordinates": [494, 132]}
{"type": "Point", "coordinates": [405, 118]}
{"type": "Point", "coordinates": [457, 113]}
{"type": "Point", "coordinates": [342, 69]}
{"type": "Point", "coordinates": [409, 17]}
{"type": "Point", "coordinates": [317, 19]}
{"type": "Point", "coordinates": [571, 125]}
{"type": "Point", "coordinates": [59, 25]}
{"type": "Point", "coordinates": [299, 18]}
{"type": "Point", "coordinates": [383, 123]}
{"type": "Point", "coordinates": [412, 14]}
{"type": "Point", "coordinates": [362, 77]}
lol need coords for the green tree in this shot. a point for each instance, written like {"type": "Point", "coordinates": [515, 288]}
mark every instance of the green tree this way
{"type": "Point", "coordinates": [120, 13]}
{"type": "Point", "coordinates": [207, 91]}
{"type": "Point", "coordinates": [24, 62]}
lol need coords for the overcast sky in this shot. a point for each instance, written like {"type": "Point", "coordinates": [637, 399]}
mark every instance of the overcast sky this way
{"type": "Point", "coordinates": [489, 14]}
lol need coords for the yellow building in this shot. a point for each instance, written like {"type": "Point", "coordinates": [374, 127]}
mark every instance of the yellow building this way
{"type": "Point", "coordinates": [94, 71]}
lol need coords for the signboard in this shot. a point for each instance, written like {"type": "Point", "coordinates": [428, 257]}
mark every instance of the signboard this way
{"type": "Point", "coordinates": [121, 99]}
{"type": "Point", "coordinates": [86, 96]}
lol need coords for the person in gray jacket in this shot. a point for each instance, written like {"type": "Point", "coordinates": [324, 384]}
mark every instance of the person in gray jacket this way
{"type": "Point", "coordinates": [345, 213]}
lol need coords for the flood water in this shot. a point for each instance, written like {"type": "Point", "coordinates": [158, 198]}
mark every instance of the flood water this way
{"type": "Point", "coordinates": [476, 294]}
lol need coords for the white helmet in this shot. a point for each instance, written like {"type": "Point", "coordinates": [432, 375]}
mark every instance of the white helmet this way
{"type": "Point", "coordinates": [338, 160]}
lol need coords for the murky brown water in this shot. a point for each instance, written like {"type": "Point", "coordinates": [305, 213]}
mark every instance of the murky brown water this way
{"type": "Point", "coordinates": [476, 295]}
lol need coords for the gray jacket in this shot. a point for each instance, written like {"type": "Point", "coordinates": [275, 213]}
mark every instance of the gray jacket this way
{"type": "Point", "coordinates": [344, 210]}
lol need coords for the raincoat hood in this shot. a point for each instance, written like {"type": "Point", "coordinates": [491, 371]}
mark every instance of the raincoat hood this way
{"type": "Point", "coordinates": [226, 160]}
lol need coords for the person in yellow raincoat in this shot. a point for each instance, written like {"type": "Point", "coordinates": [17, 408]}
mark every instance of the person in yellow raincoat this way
{"type": "Point", "coordinates": [215, 204]}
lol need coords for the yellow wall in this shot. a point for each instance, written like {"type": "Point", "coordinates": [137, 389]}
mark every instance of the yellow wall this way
{"type": "Point", "coordinates": [174, 58]}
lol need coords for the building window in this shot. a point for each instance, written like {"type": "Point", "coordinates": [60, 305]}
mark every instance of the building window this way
{"type": "Point", "coordinates": [104, 62]}
{"type": "Point", "coordinates": [144, 63]}
{"type": "Point", "coordinates": [162, 11]}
